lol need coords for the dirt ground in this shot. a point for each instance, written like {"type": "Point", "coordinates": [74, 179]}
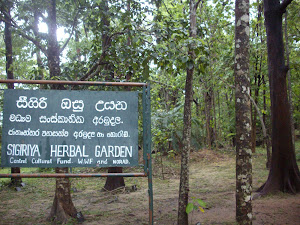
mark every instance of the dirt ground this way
{"type": "Point", "coordinates": [212, 179]}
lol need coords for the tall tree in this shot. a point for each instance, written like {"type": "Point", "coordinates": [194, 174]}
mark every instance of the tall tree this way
{"type": "Point", "coordinates": [111, 183]}
{"type": "Point", "coordinates": [258, 52]}
{"type": "Point", "coordinates": [289, 87]}
{"type": "Point", "coordinates": [243, 114]}
{"type": "Point", "coordinates": [40, 74]}
{"type": "Point", "coordinates": [63, 207]}
{"type": "Point", "coordinates": [6, 8]}
{"type": "Point", "coordinates": [284, 173]}
{"type": "Point", "coordinates": [185, 153]}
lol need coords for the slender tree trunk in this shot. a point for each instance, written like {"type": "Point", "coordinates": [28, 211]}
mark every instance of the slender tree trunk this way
{"type": "Point", "coordinates": [111, 183]}
{"type": "Point", "coordinates": [219, 133]}
{"type": "Point", "coordinates": [232, 140]}
{"type": "Point", "coordinates": [287, 54]}
{"type": "Point", "coordinates": [106, 41]}
{"type": "Point", "coordinates": [37, 51]}
{"type": "Point", "coordinates": [63, 207]}
{"type": "Point", "coordinates": [130, 72]}
{"type": "Point", "coordinates": [214, 129]}
{"type": "Point", "coordinates": [284, 173]}
{"type": "Point", "coordinates": [78, 50]}
{"type": "Point", "coordinates": [9, 70]}
{"type": "Point", "coordinates": [208, 106]}
{"type": "Point", "coordinates": [53, 47]}
{"type": "Point", "coordinates": [243, 115]}
{"type": "Point", "coordinates": [254, 116]}
{"type": "Point", "coordinates": [185, 154]}
{"type": "Point", "coordinates": [267, 141]}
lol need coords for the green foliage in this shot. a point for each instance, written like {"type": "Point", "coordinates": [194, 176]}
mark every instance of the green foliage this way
{"type": "Point", "coordinates": [196, 204]}
{"type": "Point", "coordinates": [164, 125]}
{"type": "Point", "coordinates": [144, 43]}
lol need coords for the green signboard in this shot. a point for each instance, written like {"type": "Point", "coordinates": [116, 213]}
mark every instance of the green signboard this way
{"type": "Point", "coordinates": [59, 128]}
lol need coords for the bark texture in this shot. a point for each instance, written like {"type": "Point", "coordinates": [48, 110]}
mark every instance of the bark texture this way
{"type": "Point", "coordinates": [208, 98]}
{"type": "Point", "coordinates": [243, 115]}
{"type": "Point", "coordinates": [284, 173]}
{"type": "Point", "coordinates": [37, 51]}
{"type": "Point", "coordinates": [9, 69]}
{"type": "Point", "coordinates": [185, 154]}
{"type": "Point", "coordinates": [287, 56]}
{"type": "Point", "coordinates": [113, 183]}
{"type": "Point", "coordinates": [53, 47]}
{"type": "Point", "coordinates": [63, 207]}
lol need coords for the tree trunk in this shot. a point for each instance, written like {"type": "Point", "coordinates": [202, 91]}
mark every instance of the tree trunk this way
{"type": "Point", "coordinates": [53, 47]}
{"type": "Point", "coordinates": [243, 115]}
{"type": "Point", "coordinates": [185, 154]}
{"type": "Point", "coordinates": [106, 41]}
{"type": "Point", "coordinates": [37, 51]}
{"type": "Point", "coordinates": [113, 183]}
{"type": "Point", "coordinates": [232, 140]}
{"type": "Point", "coordinates": [214, 128]}
{"type": "Point", "coordinates": [63, 207]}
{"type": "Point", "coordinates": [284, 173]}
{"type": "Point", "coordinates": [266, 140]}
{"type": "Point", "coordinates": [16, 181]}
{"type": "Point", "coordinates": [254, 117]}
{"type": "Point", "coordinates": [287, 53]}
{"type": "Point", "coordinates": [208, 97]}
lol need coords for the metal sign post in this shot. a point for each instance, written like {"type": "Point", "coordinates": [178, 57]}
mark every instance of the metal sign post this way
{"type": "Point", "coordinates": [52, 128]}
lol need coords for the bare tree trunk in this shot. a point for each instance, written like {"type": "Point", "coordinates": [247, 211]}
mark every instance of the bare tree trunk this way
{"type": "Point", "coordinates": [284, 173]}
{"type": "Point", "coordinates": [267, 142]}
{"type": "Point", "coordinates": [63, 207]}
{"type": "Point", "coordinates": [254, 118]}
{"type": "Point", "coordinates": [243, 115]}
{"type": "Point", "coordinates": [15, 181]}
{"type": "Point", "coordinates": [208, 100]}
{"type": "Point", "coordinates": [38, 54]}
{"type": "Point", "coordinates": [232, 140]}
{"type": "Point", "coordinates": [185, 154]}
{"type": "Point", "coordinates": [287, 53]}
{"type": "Point", "coordinates": [111, 183]}
{"type": "Point", "coordinates": [257, 76]}
{"type": "Point", "coordinates": [214, 129]}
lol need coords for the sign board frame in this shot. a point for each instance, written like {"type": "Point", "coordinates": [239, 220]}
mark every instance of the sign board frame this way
{"type": "Point", "coordinates": [146, 112]}
{"type": "Point", "coordinates": [69, 128]}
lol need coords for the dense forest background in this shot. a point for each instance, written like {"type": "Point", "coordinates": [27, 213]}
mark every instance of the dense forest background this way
{"type": "Point", "coordinates": [149, 41]}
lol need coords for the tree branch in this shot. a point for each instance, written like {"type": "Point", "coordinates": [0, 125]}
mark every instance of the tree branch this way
{"type": "Point", "coordinates": [95, 66]}
{"type": "Point", "coordinates": [33, 40]}
{"type": "Point", "coordinates": [284, 5]}
{"type": "Point", "coordinates": [259, 115]}
{"type": "Point", "coordinates": [89, 74]}
{"type": "Point", "coordinates": [24, 35]}
{"type": "Point", "coordinates": [256, 108]}
{"type": "Point", "coordinates": [73, 28]}
{"type": "Point", "coordinates": [196, 5]}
